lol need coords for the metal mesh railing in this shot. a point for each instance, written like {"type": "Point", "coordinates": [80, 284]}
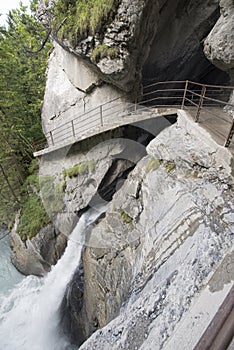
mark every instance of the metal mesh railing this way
{"type": "Point", "coordinates": [198, 98]}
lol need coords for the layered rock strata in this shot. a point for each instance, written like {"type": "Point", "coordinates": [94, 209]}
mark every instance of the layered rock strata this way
{"type": "Point", "coordinates": [163, 236]}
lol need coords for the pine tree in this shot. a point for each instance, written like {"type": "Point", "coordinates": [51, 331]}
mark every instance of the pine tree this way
{"type": "Point", "coordinates": [22, 82]}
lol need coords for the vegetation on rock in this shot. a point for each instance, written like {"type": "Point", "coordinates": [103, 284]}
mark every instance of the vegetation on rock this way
{"type": "Point", "coordinates": [32, 212]}
{"type": "Point", "coordinates": [52, 194]}
{"type": "Point", "coordinates": [125, 217]}
{"type": "Point", "coordinates": [33, 217]}
{"type": "Point", "coordinates": [153, 165]}
{"type": "Point", "coordinates": [102, 51]}
{"type": "Point", "coordinates": [80, 18]}
{"type": "Point", "coordinates": [79, 168]}
{"type": "Point", "coordinates": [169, 166]}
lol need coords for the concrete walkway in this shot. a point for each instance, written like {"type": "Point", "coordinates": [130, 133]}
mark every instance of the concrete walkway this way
{"type": "Point", "coordinates": [212, 119]}
{"type": "Point", "coordinates": [216, 122]}
{"type": "Point", "coordinates": [123, 119]}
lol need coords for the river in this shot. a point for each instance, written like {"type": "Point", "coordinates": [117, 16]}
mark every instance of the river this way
{"type": "Point", "coordinates": [9, 276]}
{"type": "Point", "coordinates": [29, 313]}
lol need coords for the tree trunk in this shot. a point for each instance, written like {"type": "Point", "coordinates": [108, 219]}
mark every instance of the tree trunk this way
{"type": "Point", "coordinates": [8, 183]}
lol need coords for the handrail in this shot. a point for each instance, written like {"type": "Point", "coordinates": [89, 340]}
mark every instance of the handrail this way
{"type": "Point", "coordinates": [176, 96]}
{"type": "Point", "coordinates": [214, 86]}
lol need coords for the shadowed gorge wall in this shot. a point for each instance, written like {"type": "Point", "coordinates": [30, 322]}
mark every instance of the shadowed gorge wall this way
{"type": "Point", "coordinates": [177, 49]}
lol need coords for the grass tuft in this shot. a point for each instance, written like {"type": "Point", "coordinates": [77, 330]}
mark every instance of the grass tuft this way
{"type": "Point", "coordinates": [83, 17]}
{"type": "Point", "coordinates": [153, 165]}
{"type": "Point", "coordinates": [102, 51]}
{"type": "Point", "coordinates": [169, 166]}
{"type": "Point", "coordinates": [125, 217]}
{"type": "Point", "coordinates": [79, 169]}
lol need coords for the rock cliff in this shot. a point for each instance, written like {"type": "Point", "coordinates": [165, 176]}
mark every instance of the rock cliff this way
{"type": "Point", "coordinates": [168, 225]}
{"type": "Point", "coordinates": [163, 236]}
{"type": "Point", "coordinates": [218, 46]}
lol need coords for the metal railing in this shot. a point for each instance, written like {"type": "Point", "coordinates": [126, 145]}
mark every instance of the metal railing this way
{"type": "Point", "coordinates": [170, 94]}
{"type": "Point", "coordinates": [219, 333]}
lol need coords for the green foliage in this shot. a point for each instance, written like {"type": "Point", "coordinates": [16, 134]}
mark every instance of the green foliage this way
{"type": "Point", "coordinates": [81, 18]}
{"type": "Point", "coordinates": [153, 165]}
{"type": "Point", "coordinates": [80, 168]}
{"type": "Point", "coordinates": [102, 51]}
{"type": "Point", "coordinates": [169, 165]}
{"type": "Point", "coordinates": [32, 214]}
{"type": "Point", "coordinates": [22, 83]}
{"type": "Point", "coordinates": [125, 217]}
{"type": "Point", "coordinates": [52, 194]}
{"type": "Point", "coordinates": [32, 218]}
{"type": "Point", "coordinates": [33, 182]}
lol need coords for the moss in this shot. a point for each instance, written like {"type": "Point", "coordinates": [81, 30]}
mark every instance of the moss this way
{"type": "Point", "coordinates": [125, 217]}
{"type": "Point", "coordinates": [31, 184]}
{"type": "Point", "coordinates": [102, 51]}
{"type": "Point", "coordinates": [78, 169]}
{"type": "Point", "coordinates": [32, 181]}
{"type": "Point", "coordinates": [81, 18]}
{"type": "Point", "coordinates": [52, 194]}
{"type": "Point", "coordinates": [46, 184]}
{"type": "Point", "coordinates": [169, 166]}
{"type": "Point", "coordinates": [195, 173]}
{"type": "Point", "coordinates": [63, 186]}
{"type": "Point", "coordinates": [153, 165]}
{"type": "Point", "coordinates": [32, 218]}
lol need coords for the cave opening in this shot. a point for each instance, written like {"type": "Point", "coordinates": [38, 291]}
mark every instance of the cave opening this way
{"type": "Point", "coordinates": [176, 52]}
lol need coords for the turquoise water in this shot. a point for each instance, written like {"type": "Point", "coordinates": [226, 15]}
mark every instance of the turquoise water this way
{"type": "Point", "coordinates": [9, 276]}
{"type": "Point", "coordinates": [29, 311]}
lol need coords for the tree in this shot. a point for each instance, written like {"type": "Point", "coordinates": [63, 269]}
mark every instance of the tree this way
{"type": "Point", "coordinates": [22, 83]}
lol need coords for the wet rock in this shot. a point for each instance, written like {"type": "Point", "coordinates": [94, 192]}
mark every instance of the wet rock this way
{"type": "Point", "coordinates": [36, 256]}
{"type": "Point", "coordinates": [180, 244]}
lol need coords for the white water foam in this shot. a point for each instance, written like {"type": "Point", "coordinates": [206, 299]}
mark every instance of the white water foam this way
{"type": "Point", "coordinates": [29, 317]}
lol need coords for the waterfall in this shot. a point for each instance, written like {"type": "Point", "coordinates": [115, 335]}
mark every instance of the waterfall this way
{"type": "Point", "coordinates": [29, 315]}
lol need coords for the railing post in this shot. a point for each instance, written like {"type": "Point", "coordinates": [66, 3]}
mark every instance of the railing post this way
{"type": "Point", "coordinates": [203, 92]}
{"type": "Point", "coordinates": [73, 129]}
{"type": "Point", "coordinates": [230, 135]}
{"type": "Point", "coordinates": [51, 137]}
{"type": "Point", "coordinates": [101, 116]}
{"type": "Point", "coordinates": [185, 92]}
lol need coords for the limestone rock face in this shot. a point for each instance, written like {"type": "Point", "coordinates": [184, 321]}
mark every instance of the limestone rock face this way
{"type": "Point", "coordinates": [164, 234]}
{"type": "Point", "coordinates": [75, 178]}
{"type": "Point", "coordinates": [72, 88]}
{"type": "Point", "coordinates": [76, 83]}
{"type": "Point", "coordinates": [36, 256]}
{"type": "Point", "coordinates": [88, 173]}
{"type": "Point", "coordinates": [131, 31]}
{"type": "Point", "coordinates": [218, 46]}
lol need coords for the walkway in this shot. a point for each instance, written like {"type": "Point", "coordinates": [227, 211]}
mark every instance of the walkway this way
{"type": "Point", "coordinates": [207, 104]}
{"type": "Point", "coordinates": [216, 122]}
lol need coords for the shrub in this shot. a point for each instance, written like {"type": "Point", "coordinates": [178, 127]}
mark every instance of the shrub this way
{"type": "Point", "coordinates": [32, 217]}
